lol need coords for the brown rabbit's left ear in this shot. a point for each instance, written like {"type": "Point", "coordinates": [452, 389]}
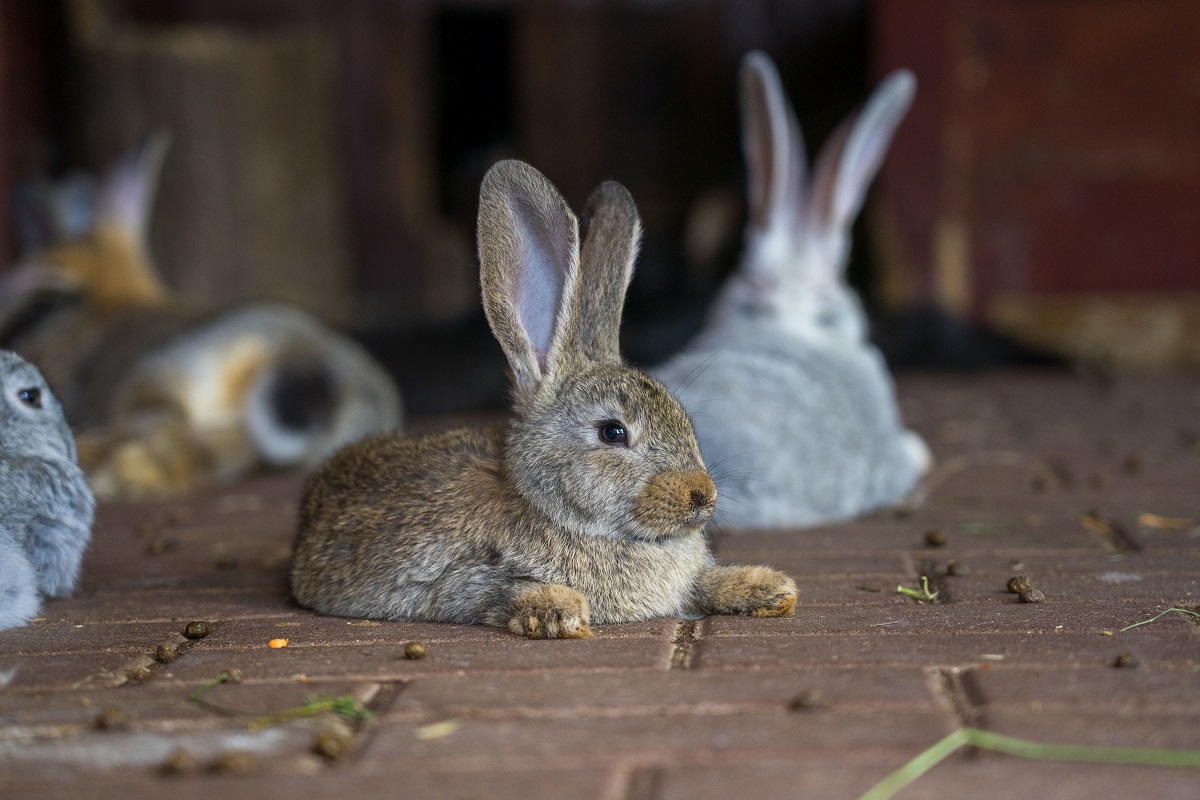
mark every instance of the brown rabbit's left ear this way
{"type": "Point", "coordinates": [528, 268]}
{"type": "Point", "coordinates": [611, 232]}
{"type": "Point", "coordinates": [127, 195]}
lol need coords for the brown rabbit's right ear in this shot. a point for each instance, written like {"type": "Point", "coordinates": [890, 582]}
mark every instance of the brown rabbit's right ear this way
{"type": "Point", "coordinates": [611, 231]}
{"type": "Point", "coordinates": [528, 267]}
{"type": "Point", "coordinates": [772, 143]}
{"type": "Point", "coordinates": [127, 195]}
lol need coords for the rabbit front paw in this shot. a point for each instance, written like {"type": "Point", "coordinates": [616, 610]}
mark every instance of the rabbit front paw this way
{"type": "Point", "coordinates": [754, 591]}
{"type": "Point", "coordinates": [550, 611]}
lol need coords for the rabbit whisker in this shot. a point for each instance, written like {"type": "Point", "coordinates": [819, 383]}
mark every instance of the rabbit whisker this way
{"type": "Point", "coordinates": [696, 372]}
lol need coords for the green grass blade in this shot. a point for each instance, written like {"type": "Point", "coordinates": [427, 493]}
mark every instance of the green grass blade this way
{"type": "Point", "coordinates": [917, 767]}
{"type": "Point", "coordinates": [1156, 616]}
{"type": "Point", "coordinates": [1023, 748]}
{"type": "Point", "coordinates": [1146, 756]}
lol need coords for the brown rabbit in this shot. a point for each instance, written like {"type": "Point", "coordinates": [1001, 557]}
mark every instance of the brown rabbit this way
{"type": "Point", "coordinates": [168, 397]}
{"type": "Point", "coordinates": [588, 508]}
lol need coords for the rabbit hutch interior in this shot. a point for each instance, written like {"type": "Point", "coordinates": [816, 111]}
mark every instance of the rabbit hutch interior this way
{"type": "Point", "coordinates": [611, 399]}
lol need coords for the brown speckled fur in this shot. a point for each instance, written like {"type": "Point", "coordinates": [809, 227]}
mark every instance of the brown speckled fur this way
{"type": "Point", "coordinates": [540, 526]}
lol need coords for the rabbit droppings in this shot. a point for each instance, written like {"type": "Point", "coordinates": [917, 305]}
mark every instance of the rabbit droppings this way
{"type": "Point", "coordinates": [588, 508]}
{"type": "Point", "coordinates": [789, 398]}
{"type": "Point", "coordinates": [46, 508]}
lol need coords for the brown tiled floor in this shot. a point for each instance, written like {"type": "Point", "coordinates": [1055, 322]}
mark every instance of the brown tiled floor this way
{"type": "Point", "coordinates": [670, 709]}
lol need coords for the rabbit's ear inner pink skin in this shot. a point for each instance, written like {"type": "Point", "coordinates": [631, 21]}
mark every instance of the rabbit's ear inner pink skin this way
{"type": "Point", "coordinates": [797, 247]}
{"type": "Point", "coordinates": [126, 198]}
{"type": "Point", "coordinates": [529, 265]}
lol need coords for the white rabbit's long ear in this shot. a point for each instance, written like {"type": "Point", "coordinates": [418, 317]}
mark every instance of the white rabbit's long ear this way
{"type": "Point", "coordinates": [529, 266]}
{"type": "Point", "coordinates": [772, 144]}
{"type": "Point", "coordinates": [611, 231]}
{"type": "Point", "coordinates": [127, 195]}
{"type": "Point", "coordinates": [854, 153]}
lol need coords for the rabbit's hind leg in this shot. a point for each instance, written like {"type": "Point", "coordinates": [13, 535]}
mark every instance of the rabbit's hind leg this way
{"type": "Point", "coordinates": [19, 600]}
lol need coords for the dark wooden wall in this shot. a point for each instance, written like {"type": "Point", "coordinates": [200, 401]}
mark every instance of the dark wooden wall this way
{"type": "Point", "coordinates": [429, 92]}
{"type": "Point", "coordinates": [1048, 179]}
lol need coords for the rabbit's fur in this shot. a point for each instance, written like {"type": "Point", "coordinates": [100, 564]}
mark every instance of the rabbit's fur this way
{"type": "Point", "coordinates": [792, 405]}
{"type": "Point", "coordinates": [168, 397]}
{"type": "Point", "coordinates": [540, 526]}
{"type": "Point", "coordinates": [46, 508]}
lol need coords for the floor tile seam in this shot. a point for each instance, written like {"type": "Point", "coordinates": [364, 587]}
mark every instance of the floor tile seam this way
{"type": "Point", "coordinates": [948, 686]}
{"type": "Point", "coordinates": [276, 592]}
{"type": "Point", "coordinates": [166, 620]}
{"type": "Point", "coordinates": [823, 716]}
{"type": "Point", "coordinates": [198, 718]}
{"type": "Point", "coordinates": [880, 631]}
{"type": "Point", "coordinates": [663, 710]}
{"type": "Point", "coordinates": [661, 760]}
{"type": "Point", "coordinates": [164, 724]}
{"type": "Point", "coordinates": [162, 682]}
{"type": "Point", "coordinates": [1019, 634]}
{"type": "Point", "coordinates": [503, 765]}
{"type": "Point", "coordinates": [33, 734]}
{"type": "Point", "coordinates": [1187, 668]}
{"type": "Point", "coordinates": [915, 629]}
{"type": "Point", "coordinates": [490, 633]}
{"type": "Point", "coordinates": [380, 705]}
{"type": "Point", "coordinates": [262, 647]}
{"type": "Point", "coordinates": [705, 755]}
{"type": "Point", "coordinates": [375, 678]}
{"type": "Point", "coordinates": [63, 625]}
{"type": "Point", "coordinates": [1047, 708]}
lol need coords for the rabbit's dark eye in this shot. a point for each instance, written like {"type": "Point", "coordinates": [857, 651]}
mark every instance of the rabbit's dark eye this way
{"type": "Point", "coordinates": [31, 397]}
{"type": "Point", "coordinates": [613, 432]}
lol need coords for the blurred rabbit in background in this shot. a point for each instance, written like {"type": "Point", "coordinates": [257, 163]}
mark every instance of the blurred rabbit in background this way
{"type": "Point", "coordinates": [166, 397]}
{"type": "Point", "coordinates": [793, 407]}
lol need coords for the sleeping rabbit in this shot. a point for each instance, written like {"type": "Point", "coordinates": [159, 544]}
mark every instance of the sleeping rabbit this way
{"type": "Point", "coordinates": [167, 397]}
{"type": "Point", "coordinates": [791, 402]}
{"type": "Point", "coordinates": [588, 508]}
{"type": "Point", "coordinates": [45, 507]}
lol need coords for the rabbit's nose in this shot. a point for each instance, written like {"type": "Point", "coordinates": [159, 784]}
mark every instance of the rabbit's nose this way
{"type": "Point", "coordinates": [703, 492]}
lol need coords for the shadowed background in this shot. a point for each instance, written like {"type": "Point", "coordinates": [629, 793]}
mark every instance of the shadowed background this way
{"type": "Point", "coordinates": [1044, 186]}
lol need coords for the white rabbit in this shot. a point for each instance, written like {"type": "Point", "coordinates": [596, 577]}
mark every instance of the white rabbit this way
{"type": "Point", "coordinates": [46, 508]}
{"type": "Point", "coordinates": [791, 403]}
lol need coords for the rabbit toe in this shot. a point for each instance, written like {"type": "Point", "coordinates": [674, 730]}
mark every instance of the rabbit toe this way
{"type": "Point", "coordinates": [770, 593]}
{"type": "Point", "coordinates": [548, 611]}
{"type": "Point", "coordinates": [755, 591]}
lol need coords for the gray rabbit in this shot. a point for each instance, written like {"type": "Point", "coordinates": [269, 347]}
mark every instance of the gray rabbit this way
{"type": "Point", "coordinates": [588, 508]}
{"type": "Point", "coordinates": [793, 407]}
{"type": "Point", "coordinates": [46, 508]}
